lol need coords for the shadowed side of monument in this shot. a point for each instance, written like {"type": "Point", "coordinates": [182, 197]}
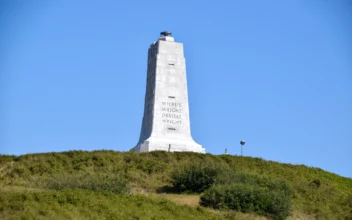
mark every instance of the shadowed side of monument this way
{"type": "Point", "coordinates": [166, 122]}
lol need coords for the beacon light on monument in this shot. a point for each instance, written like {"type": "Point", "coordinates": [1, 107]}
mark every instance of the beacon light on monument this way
{"type": "Point", "coordinates": [166, 122]}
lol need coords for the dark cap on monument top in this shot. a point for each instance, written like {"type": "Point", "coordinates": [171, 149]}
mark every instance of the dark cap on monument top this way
{"type": "Point", "coordinates": [165, 33]}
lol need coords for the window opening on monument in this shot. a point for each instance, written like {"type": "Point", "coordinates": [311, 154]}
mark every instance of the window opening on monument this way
{"type": "Point", "coordinates": [172, 129]}
{"type": "Point", "coordinates": [171, 97]}
{"type": "Point", "coordinates": [171, 64]}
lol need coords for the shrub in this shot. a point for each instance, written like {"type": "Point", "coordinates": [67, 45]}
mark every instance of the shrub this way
{"type": "Point", "coordinates": [315, 183]}
{"type": "Point", "coordinates": [151, 166]}
{"type": "Point", "coordinates": [249, 198]}
{"type": "Point", "coordinates": [6, 158]}
{"type": "Point", "coordinates": [195, 177]}
{"type": "Point", "coordinates": [97, 182]}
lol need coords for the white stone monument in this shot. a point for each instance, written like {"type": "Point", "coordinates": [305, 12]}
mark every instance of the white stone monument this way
{"type": "Point", "coordinates": [166, 122]}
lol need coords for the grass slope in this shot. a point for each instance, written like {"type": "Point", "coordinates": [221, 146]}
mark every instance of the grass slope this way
{"type": "Point", "coordinates": [37, 186]}
{"type": "Point", "coordinates": [87, 204]}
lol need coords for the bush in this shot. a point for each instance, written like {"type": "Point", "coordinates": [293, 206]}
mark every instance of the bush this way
{"type": "Point", "coordinates": [6, 158]}
{"type": "Point", "coordinates": [246, 197]}
{"type": "Point", "coordinates": [315, 184]}
{"type": "Point", "coordinates": [195, 177]}
{"type": "Point", "coordinates": [108, 183]}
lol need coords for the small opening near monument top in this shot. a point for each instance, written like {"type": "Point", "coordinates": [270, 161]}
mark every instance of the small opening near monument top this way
{"type": "Point", "coordinates": [171, 97]}
{"type": "Point", "coordinates": [171, 64]}
{"type": "Point", "coordinates": [172, 129]}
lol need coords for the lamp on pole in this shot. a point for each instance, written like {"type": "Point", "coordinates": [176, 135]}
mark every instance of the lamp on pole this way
{"type": "Point", "coordinates": [242, 142]}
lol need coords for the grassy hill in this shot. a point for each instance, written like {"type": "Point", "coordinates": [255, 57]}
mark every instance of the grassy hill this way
{"type": "Point", "coordinates": [129, 185]}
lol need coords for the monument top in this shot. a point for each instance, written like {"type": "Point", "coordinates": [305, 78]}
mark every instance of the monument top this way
{"type": "Point", "coordinates": [165, 33]}
{"type": "Point", "coordinates": [166, 36]}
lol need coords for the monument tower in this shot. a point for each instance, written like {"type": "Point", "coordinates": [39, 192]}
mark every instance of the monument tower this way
{"type": "Point", "coordinates": [166, 122]}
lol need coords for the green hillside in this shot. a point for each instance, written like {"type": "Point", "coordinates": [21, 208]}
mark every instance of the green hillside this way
{"type": "Point", "coordinates": [129, 185]}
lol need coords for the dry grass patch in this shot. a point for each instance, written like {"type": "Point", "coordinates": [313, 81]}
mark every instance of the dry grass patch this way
{"type": "Point", "coordinates": [193, 201]}
{"type": "Point", "coordinates": [181, 199]}
{"type": "Point", "coordinates": [190, 200]}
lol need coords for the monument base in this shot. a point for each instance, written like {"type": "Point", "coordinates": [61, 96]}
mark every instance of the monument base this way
{"type": "Point", "coordinates": [155, 145]}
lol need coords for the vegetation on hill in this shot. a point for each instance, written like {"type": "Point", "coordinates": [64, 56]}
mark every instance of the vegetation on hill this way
{"type": "Point", "coordinates": [108, 185]}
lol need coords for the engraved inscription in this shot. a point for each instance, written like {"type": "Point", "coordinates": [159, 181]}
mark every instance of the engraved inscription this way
{"type": "Point", "coordinates": [171, 113]}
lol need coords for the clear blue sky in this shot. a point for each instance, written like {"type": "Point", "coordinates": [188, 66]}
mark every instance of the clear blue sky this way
{"type": "Point", "coordinates": [275, 73]}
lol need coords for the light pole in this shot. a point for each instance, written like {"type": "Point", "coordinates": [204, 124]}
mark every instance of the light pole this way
{"type": "Point", "coordinates": [242, 142]}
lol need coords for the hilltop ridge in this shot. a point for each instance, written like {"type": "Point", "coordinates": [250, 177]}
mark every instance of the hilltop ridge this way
{"type": "Point", "coordinates": [130, 185]}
